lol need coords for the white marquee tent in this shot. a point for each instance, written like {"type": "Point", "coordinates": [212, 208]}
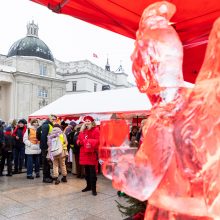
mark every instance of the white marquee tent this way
{"type": "Point", "coordinates": [102, 104]}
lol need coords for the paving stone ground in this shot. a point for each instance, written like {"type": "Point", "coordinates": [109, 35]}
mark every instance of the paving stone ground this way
{"type": "Point", "coordinates": [22, 199]}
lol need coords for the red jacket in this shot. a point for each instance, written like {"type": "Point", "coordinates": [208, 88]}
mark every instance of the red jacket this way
{"type": "Point", "coordinates": [89, 143]}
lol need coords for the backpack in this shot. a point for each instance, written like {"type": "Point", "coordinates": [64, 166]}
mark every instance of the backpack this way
{"type": "Point", "coordinates": [56, 147]}
{"type": "Point", "coordinates": [38, 133]}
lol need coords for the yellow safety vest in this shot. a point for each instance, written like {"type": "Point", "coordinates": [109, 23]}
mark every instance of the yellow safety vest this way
{"type": "Point", "coordinates": [50, 128]}
{"type": "Point", "coordinates": [62, 140]}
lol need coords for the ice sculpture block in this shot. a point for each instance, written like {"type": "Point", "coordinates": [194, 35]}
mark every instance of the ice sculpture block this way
{"type": "Point", "coordinates": [177, 167]}
{"type": "Point", "coordinates": [114, 143]}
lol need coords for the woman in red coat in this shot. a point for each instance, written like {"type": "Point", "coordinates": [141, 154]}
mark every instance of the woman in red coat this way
{"type": "Point", "coordinates": [88, 140]}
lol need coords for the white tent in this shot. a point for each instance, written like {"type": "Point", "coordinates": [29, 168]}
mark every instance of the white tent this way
{"type": "Point", "coordinates": [128, 100]}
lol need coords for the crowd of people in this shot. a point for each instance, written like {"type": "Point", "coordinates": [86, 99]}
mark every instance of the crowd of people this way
{"type": "Point", "coordinates": [50, 145]}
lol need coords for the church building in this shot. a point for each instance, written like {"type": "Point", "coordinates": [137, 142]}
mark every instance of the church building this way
{"type": "Point", "coordinates": [30, 77]}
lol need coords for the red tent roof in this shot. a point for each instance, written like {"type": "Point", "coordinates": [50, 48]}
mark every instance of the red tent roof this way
{"type": "Point", "coordinates": [193, 21]}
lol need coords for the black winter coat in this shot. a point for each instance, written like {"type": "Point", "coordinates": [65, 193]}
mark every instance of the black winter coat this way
{"type": "Point", "coordinates": [20, 133]}
{"type": "Point", "coordinates": [44, 134]}
{"type": "Point", "coordinates": [70, 139]}
{"type": "Point", "coordinates": [2, 137]}
{"type": "Point", "coordinates": [9, 143]}
{"type": "Point", "coordinates": [76, 148]}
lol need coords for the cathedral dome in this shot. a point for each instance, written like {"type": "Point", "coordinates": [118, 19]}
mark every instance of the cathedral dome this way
{"type": "Point", "coordinates": [31, 45]}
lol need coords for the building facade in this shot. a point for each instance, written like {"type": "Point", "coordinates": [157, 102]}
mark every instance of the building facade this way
{"type": "Point", "coordinates": [31, 78]}
{"type": "Point", "coordinates": [84, 76]}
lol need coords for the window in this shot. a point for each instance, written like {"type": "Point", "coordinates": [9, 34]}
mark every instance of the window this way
{"type": "Point", "coordinates": [95, 87]}
{"type": "Point", "coordinates": [42, 92]}
{"type": "Point", "coordinates": [74, 85]}
{"type": "Point", "coordinates": [43, 69]}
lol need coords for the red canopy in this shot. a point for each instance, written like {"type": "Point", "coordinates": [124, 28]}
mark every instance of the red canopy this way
{"type": "Point", "coordinates": [193, 21]}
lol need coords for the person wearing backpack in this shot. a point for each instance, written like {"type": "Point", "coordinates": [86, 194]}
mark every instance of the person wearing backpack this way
{"type": "Point", "coordinates": [88, 140]}
{"type": "Point", "coordinates": [46, 128]}
{"type": "Point", "coordinates": [58, 152]}
{"type": "Point", "coordinates": [32, 150]}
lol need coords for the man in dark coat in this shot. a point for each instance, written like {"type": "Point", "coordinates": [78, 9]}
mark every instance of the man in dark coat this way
{"type": "Point", "coordinates": [19, 150]}
{"type": "Point", "coordinates": [2, 138]}
{"type": "Point", "coordinates": [7, 152]}
{"type": "Point", "coordinates": [47, 127]}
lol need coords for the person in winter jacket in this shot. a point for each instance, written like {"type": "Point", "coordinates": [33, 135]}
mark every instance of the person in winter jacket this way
{"type": "Point", "coordinates": [19, 150]}
{"type": "Point", "coordinates": [2, 137]}
{"type": "Point", "coordinates": [59, 160]}
{"type": "Point", "coordinates": [69, 132]}
{"type": "Point", "coordinates": [80, 171]}
{"type": "Point", "coordinates": [88, 140]}
{"type": "Point", "coordinates": [47, 128]}
{"type": "Point", "coordinates": [7, 151]}
{"type": "Point", "coordinates": [32, 150]}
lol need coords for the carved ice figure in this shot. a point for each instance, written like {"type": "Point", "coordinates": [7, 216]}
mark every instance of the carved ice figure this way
{"type": "Point", "coordinates": [177, 167]}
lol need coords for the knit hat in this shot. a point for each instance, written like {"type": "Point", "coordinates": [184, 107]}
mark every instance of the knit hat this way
{"type": "Point", "coordinates": [1, 122]}
{"type": "Point", "coordinates": [73, 123]}
{"type": "Point", "coordinates": [88, 117]}
{"type": "Point", "coordinates": [63, 123]}
{"type": "Point", "coordinates": [23, 121]}
{"type": "Point", "coordinates": [8, 128]}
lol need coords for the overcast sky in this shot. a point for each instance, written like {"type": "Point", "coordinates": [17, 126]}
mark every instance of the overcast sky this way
{"type": "Point", "coordinates": [68, 38]}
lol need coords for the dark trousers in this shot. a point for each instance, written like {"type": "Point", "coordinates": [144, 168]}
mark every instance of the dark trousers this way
{"type": "Point", "coordinates": [90, 176]}
{"type": "Point", "coordinates": [45, 164]}
{"type": "Point", "coordinates": [19, 153]}
{"type": "Point", "coordinates": [6, 156]}
{"type": "Point", "coordinates": [79, 168]}
{"type": "Point", "coordinates": [33, 159]}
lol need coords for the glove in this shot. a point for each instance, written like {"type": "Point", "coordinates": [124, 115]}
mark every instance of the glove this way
{"type": "Point", "coordinates": [101, 161]}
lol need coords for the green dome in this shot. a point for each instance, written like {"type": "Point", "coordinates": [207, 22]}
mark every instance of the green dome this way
{"type": "Point", "coordinates": [30, 46]}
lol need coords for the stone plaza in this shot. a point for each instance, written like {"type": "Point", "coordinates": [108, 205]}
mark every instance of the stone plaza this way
{"type": "Point", "coordinates": [22, 199]}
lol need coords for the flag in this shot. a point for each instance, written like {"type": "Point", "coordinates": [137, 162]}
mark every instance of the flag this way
{"type": "Point", "coordinates": [95, 55]}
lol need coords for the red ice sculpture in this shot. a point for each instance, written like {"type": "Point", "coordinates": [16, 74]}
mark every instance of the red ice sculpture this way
{"type": "Point", "coordinates": [177, 167]}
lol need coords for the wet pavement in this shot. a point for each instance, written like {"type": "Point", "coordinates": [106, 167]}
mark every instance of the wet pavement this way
{"type": "Point", "coordinates": [22, 199]}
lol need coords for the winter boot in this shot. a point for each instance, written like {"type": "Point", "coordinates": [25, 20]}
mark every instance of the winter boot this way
{"type": "Point", "coordinates": [88, 185]}
{"type": "Point", "coordinates": [63, 179]}
{"type": "Point", "coordinates": [88, 188]}
{"type": "Point", "coordinates": [15, 172]}
{"type": "Point", "coordinates": [47, 180]}
{"type": "Point", "coordinates": [56, 181]}
{"type": "Point", "coordinates": [94, 193]}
